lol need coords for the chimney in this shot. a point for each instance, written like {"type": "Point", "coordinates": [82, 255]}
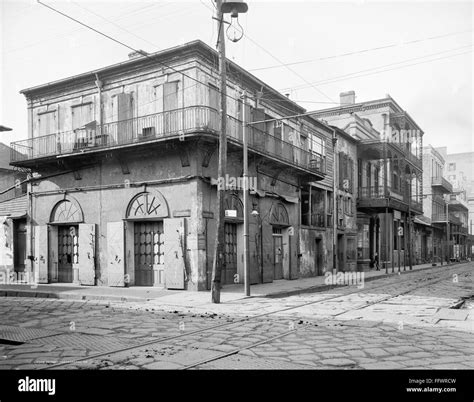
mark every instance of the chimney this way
{"type": "Point", "coordinates": [137, 54]}
{"type": "Point", "coordinates": [347, 98]}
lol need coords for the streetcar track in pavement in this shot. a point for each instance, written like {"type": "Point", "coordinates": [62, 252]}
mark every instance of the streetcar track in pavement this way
{"type": "Point", "coordinates": [238, 350]}
{"type": "Point", "coordinates": [247, 319]}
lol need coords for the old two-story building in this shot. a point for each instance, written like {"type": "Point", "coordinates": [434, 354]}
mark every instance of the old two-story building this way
{"type": "Point", "coordinates": [389, 176]}
{"type": "Point", "coordinates": [13, 211]}
{"type": "Point", "coordinates": [126, 164]}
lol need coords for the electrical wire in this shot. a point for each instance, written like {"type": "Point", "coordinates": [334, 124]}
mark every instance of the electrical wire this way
{"type": "Point", "coordinates": [127, 46]}
{"type": "Point", "coordinates": [113, 23]}
{"type": "Point", "coordinates": [360, 51]}
{"type": "Point", "coordinates": [328, 80]}
{"type": "Point", "coordinates": [279, 61]}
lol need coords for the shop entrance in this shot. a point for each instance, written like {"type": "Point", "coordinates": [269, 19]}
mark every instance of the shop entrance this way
{"type": "Point", "coordinates": [149, 250]}
{"type": "Point", "coordinates": [68, 251]}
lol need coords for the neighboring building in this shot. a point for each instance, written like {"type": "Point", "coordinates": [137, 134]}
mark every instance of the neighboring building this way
{"type": "Point", "coordinates": [432, 239]}
{"type": "Point", "coordinates": [127, 156]}
{"type": "Point", "coordinates": [11, 180]}
{"type": "Point", "coordinates": [346, 202]}
{"type": "Point", "coordinates": [13, 210]}
{"type": "Point", "coordinates": [459, 170]}
{"type": "Point", "coordinates": [389, 172]}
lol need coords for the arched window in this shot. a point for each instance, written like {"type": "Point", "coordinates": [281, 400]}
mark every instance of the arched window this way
{"type": "Point", "coordinates": [66, 211]}
{"type": "Point", "coordinates": [147, 205]}
{"type": "Point", "coordinates": [233, 203]}
{"type": "Point", "coordinates": [279, 215]}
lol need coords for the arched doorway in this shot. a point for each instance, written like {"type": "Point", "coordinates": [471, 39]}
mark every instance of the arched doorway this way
{"type": "Point", "coordinates": [234, 218]}
{"type": "Point", "coordinates": [279, 221]}
{"type": "Point", "coordinates": [65, 218]}
{"type": "Point", "coordinates": [145, 214]}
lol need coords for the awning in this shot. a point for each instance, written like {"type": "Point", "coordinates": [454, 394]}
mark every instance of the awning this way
{"type": "Point", "coordinates": [420, 222]}
{"type": "Point", "coordinates": [14, 208]}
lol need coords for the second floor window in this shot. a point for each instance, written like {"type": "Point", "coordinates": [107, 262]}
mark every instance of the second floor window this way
{"type": "Point", "coordinates": [81, 115]}
{"type": "Point", "coordinates": [47, 123]}
{"type": "Point", "coordinates": [318, 145]}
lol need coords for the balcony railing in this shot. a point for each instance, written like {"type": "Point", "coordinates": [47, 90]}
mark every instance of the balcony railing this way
{"type": "Point", "coordinates": [377, 192]}
{"type": "Point", "coordinates": [372, 192]}
{"type": "Point", "coordinates": [442, 182]}
{"type": "Point", "coordinates": [177, 123]}
{"type": "Point", "coordinates": [438, 218]}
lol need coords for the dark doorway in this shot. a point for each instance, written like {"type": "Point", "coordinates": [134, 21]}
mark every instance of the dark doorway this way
{"type": "Point", "coordinates": [319, 257]}
{"type": "Point", "coordinates": [68, 252]}
{"type": "Point", "coordinates": [341, 252]}
{"type": "Point", "coordinates": [19, 245]}
{"type": "Point", "coordinates": [149, 242]}
{"type": "Point", "coordinates": [277, 254]}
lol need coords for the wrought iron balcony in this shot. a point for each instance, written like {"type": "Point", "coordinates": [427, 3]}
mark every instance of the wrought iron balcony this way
{"type": "Point", "coordinates": [175, 124]}
{"type": "Point", "coordinates": [374, 197]}
{"type": "Point", "coordinates": [438, 218]}
{"type": "Point", "coordinates": [442, 183]}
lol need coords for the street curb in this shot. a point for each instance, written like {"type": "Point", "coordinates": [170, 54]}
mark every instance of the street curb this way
{"type": "Point", "coordinates": [316, 289]}
{"type": "Point", "coordinates": [68, 296]}
{"type": "Point", "coordinates": [89, 297]}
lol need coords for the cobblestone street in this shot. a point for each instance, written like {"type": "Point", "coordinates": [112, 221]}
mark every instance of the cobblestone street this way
{"type": "Point", "coordinates": [414, 320]}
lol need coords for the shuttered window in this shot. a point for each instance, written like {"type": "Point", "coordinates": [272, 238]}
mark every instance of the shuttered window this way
{"type": "Point", "coordinates": [81, 115]}
{"type": "Point", "coordinates": [47, 123]}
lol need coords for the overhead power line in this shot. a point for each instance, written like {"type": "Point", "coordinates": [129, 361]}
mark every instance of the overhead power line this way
{"type": "Point", "coordinates": [128, 46]}
{"type": "Point", "coordinates": [360, 51]}
{"type": "Point", "coordinates": [348, 75]}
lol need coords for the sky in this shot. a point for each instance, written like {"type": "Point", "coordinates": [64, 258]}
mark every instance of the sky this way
{"type": "Point", "coordinates": [418, 52]}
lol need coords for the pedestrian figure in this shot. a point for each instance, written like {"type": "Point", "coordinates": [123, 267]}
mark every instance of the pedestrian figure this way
{"type": "Point", "coordinates": [376, 259]}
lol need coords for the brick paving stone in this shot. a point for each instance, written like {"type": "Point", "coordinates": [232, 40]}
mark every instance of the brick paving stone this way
{"type": "Point", "coordinates": [377, 352]}
{"type": "Point", "coordinates": [331, 355]}
{"type": "Point", "coordinates": [338, 362]}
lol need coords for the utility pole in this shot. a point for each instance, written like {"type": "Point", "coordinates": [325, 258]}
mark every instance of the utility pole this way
{"type": "Point", "coordinates": [246, 196]}
{"type": "Point", "coordinates": [234, 8]}
{"type": "Point", "coordinates": [219, 246]}
{"type": "Point", "coordinates": [448, 251]}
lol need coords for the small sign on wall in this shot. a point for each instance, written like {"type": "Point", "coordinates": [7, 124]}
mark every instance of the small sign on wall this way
{"type": "Point", "coordinates": [231, 213]}
{"type": "Point", "coordinates": [291, 231]}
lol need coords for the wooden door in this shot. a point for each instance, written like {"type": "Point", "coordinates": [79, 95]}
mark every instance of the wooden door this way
{"type": "Point", "coordinates": [230, 253]}
{"type": "Point", "coordinates": [172, 120]}
{"type": "Point", "coordinates": [277, 254]}
{"type": "Point", "coordinates": [149, 241]}
{"type": "Point", "coordinates": [319, 257]}
{"type": "Point", "coordinates": [20, 245]}
{"type": "Point", "coordinates": [68, 252]}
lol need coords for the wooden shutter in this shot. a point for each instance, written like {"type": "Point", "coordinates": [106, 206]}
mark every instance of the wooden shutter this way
{"type": "Point", "coordinates": [170, 95]}
{"type": "Point", "coordinates": [257, 136]}
{"type": "Point", "coordinates": [86, 254]}
{"type": "Point", "coordinates": [214, 97]}
{"type": "Point", "coordinates": [47, 123]}
{"type": "Point", "coordinates": [53, 253]}
{"type": "Point", "coordinates": [267, 239]}
{"type": "Point", "coordinates": [115, 254]}
{"type": "Point", "coordinates": [175, 268]}
{"type": "Point", "coordinates": [41, 253]}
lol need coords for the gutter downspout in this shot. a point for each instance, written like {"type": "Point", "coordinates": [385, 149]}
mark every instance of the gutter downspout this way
{"type": "Point", "coordinates": [99, 85]}
{"type": "Point", "coordinates": [334, 201]}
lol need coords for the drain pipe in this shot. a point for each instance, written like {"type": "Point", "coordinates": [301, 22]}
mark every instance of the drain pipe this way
{"type": "Point", "coordinates": [99, 84]}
